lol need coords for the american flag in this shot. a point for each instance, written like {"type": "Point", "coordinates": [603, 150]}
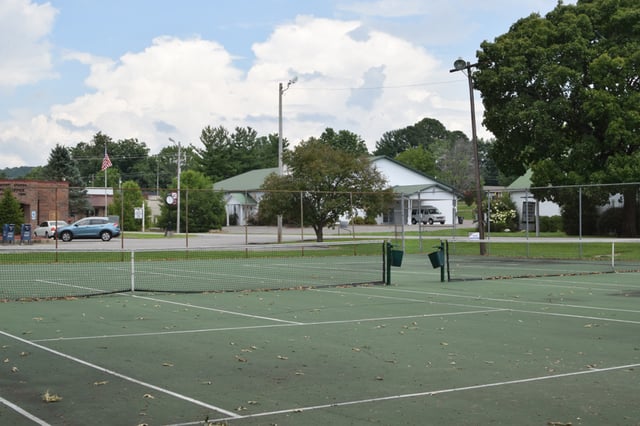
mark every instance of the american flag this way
{"type": "Point", "coordinates": [106, 163]}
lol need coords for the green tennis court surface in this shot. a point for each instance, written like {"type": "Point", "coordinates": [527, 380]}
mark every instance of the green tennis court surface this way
{"type": "Point", "coordinates": [547, 350]}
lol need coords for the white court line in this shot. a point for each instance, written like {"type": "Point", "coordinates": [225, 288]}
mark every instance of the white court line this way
{"type": "Point", "coordinates": [122, 376]}
{"type": "Point", "coordinates": [215, 310]}
{"type": "Point", "coordinates": [494, 308]}
{"type": "Point", "coordinates": [421, 394]}
{"type": "Point", "coordinates": [256, 327]}
{"type": "Point", "coordinates": [23, 412]}
{"type": "Point", "coordinates": [489, 299]}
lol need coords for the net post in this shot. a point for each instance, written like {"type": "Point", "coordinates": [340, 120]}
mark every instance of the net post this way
{"type": "Point", "coordinates": [133, 272]}
{"type": "Point", "coordinates": [613, 255]}
{"type": "Point", "coordinates": [387, 261]}
{"type": "Point", "coordinates": [441, 248]}
{"type": "Point", "coordinates": [446, 256]}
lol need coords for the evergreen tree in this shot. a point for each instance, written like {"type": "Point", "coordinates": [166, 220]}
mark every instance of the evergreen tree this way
{"type": "Point", "coordinates": [10, 210]}
{"type": "Point", "coordinates": [62, 167]}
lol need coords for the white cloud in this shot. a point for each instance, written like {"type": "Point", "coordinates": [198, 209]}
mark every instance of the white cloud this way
{"type": "Point", "coordinates": [25, 51]}
{"type": "Point", "coordinates": [176, 87]}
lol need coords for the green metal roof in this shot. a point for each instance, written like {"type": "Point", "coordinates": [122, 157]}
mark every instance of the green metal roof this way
{"type": "Point", "coordinates": [523, 182]}
{"type": "Point", "coordinates": [248, 181]}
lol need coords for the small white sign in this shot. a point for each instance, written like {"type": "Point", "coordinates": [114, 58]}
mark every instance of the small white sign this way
{"type": "Point", "coordinates": [138, 213]}
{"type": "Point", "coordinates": [33, 215]}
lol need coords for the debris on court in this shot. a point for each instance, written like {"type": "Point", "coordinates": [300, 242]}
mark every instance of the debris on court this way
{"type": "Point", "coordinates": [49, 397]}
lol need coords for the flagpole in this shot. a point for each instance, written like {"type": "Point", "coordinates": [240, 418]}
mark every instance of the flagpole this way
{"type": "Point", "coordinates": [106, 213]}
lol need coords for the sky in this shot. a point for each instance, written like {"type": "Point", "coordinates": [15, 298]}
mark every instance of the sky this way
{"type": "Point", "coordinates": [159, 69]}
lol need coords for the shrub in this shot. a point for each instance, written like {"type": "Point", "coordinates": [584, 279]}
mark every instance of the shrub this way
{"type": "Point", "coordinates": [551, 223]}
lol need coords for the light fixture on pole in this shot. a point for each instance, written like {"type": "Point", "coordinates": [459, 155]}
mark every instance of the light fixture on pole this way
{"type": "Point", "coordinates": [281, 90]}
{"type": "Point", "coordinates": [462, 65]}
{"type": "Point", "coordinates": [179, 172]}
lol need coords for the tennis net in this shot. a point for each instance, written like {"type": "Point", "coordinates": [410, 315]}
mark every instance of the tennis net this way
{"type": "Point", "coordinates": [47, 274]}
{"type": "Point", "coordinates": [518, 258]}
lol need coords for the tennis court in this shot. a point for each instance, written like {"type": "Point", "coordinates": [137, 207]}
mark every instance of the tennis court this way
{"type": "Point", "coordinates": [542, 350]}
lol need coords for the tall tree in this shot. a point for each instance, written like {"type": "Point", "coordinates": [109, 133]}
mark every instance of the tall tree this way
{"type": "Point", "coordinates": [345, 140]}
{"type": "Point", "coordinates": [126, 155]}
{"type": "Point", "coordinates": [62, 167]}
{"type": "Point", "coordinates": [204, 208]}
{"type": "Point", "coordinates": [561, 95]}
{"type": "Point", "coordinates": [125, 201]}
{"type": "Point", "coordinates": [10, 210]}
{"type": "Point", "coordinates": [423, 133]}
{"type": "Point", "coordinates": [325, 182]}
{"type": "Point", "coordinates": [225, 154]}
{"type": "Point", "coordinates": [420, 159]}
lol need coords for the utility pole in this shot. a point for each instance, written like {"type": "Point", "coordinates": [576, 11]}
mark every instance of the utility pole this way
{"type": "Point", "coordinates": [462, 65]}
{"type": "Point", "coordinates": [281, 90]}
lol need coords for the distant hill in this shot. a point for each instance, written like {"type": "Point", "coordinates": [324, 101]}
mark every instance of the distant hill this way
{"type": "Point", "coordinates": [15, 172]}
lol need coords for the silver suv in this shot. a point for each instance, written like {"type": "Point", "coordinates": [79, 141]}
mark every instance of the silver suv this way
{"type": "Point", "coordinates": [427, 215]}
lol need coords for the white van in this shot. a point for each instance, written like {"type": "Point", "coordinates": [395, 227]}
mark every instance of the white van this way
{"type": "Point", "coordinates": [427, 215]}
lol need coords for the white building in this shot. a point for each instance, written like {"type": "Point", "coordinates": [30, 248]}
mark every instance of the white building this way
{"type": "Point", "coordinates": [242, 193]}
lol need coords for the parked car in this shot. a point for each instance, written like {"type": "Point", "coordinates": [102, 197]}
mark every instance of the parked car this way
{"type": "Point", "coordinates": [47, 228]}
{"type": "Point", "coordinates": [427, 214]}
{"type": "Point", "coordinates": [89, 227]}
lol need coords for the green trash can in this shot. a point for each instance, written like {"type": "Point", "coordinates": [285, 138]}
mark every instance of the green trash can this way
{"type": "Point", "coordinates": [437, 259]}
{"type": "Point", "coordinates": [396, 257]}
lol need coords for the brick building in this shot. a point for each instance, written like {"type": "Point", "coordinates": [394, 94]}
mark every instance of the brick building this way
{"type": "Point", "coordinates": [40, 200]}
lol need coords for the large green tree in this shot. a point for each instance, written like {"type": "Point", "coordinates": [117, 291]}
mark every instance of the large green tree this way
{"type": "Point", "coordinates": [201, 208]}
{"type": "Point", "coordinates": [562, 93]}
{"type": "Point", "coordinates": [63, 167]}
{"type": "Point", "coordinates": [224, 154]}
{"type": "Point", "coordinates": [125, 201]}
{"type": "Point", "coordinates": [323, 183]}
{"type": "Point", "coordinates": [126, 155]}
{"type": "Point", "coordinates": [10, 210]}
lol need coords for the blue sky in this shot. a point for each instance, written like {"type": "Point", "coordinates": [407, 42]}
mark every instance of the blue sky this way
{"type": "Point", "coordinates": [155, 69]}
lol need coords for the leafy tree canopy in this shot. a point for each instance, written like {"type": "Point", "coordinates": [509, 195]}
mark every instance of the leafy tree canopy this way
{"type": "Point", "coordinates": [561, 95]}
{"type": "Point", "coordinates": [10, 210]}
{"type": "Point", "coordinates": [201, 208]}
{"type": "Point", "coordinates": [225, 154]}
{"type": "Point", "coordinates": [323, 183]}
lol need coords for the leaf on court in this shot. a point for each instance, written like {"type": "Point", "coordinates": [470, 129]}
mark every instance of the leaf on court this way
{"type": "Point", "coordinates": [148, 396]}
{"type": "Point", "coordinates": [444, 344]}
{"type": "Point", "coordinates": [355, 349]}
{"type": "Point", "coordinates": [283, 357]}
{"type": "Point", "coordinates": [24, 353]}
{"type": "Point", "coordinates": [14, 369]}
{"type": "Point", "coordinates": [559, 424]}
{"type": "Point", "coordinates": [206, 382]}
{"type": "Point", "coordinates": [379, 378]}
{"type": "Point", "coordinates": [167, 364]}
{"type": "Point", "coordinates": [6, 360]}
{"type": "Point", "coordinates": [50, 397]}
{"type": "Point", "coordinates": [240, 359]}
{"type": "Point", "coordinates": [241, 408]}
{"type": "Point", "coordinates": [101, 383]}
{"type": "Point", "coordinates": [37, 318]}
{"type": "Point", "coordinates": [252, 402]}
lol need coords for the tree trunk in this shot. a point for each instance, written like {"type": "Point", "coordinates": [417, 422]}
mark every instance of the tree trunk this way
{"type": "Point", "coordinates": [318, 230]}
{"type": "Point", "coordinates": [629, 215]}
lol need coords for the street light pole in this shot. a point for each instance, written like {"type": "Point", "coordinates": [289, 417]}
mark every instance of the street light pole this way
{"type": "Point", "coordinates": [462, 65]}
{"type": "Point", "coordinates": [281, 90]}
{"type": "Point", "coordinates": [179, 172]}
